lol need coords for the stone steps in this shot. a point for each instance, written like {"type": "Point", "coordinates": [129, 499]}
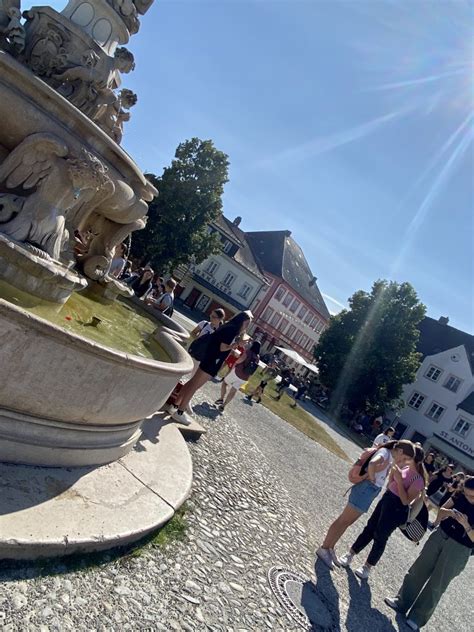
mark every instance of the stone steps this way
{"type": "Point", "coordinates": [48, 512]}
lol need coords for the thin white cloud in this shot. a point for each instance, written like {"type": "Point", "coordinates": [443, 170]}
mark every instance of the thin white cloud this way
{"type": "Point", "coordinates": [335, 303]}
{"type": "Point", "coordinates": [321, 145]}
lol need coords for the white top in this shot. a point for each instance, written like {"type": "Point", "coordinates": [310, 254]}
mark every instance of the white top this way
{"type": "Point", "coordinates": [206, 328]}
{"type": "Point", "coordinates": [380, 440]}
{"type": "Point", "coordinates": [381, 476]}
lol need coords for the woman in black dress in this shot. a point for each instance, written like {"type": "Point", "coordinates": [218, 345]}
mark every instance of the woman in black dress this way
{"type": "Point", "coordinates": [220, 342]}
{"type": "Point", "coordinates": [441, 478]}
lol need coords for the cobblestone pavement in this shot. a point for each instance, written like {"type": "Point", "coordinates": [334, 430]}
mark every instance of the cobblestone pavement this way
{"type": "Point", "coordinates": [263, 494]}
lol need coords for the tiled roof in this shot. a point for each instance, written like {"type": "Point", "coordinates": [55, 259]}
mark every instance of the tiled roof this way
{"type": "Point", "coordinates": [244, 255]}
{"type": "Point", "coordinates": [278, 253]}
{"type": "Point", "coordinates": [436, 337]}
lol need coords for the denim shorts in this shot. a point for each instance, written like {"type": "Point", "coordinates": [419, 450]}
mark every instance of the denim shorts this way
{"type": "Point", "coordinates": [362, 495]}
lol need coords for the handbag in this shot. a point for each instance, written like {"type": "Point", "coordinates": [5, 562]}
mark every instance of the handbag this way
{"type": "Point", "coordinates": [417, 521]}
{"type": "Point", "coordinates": [198, 348]}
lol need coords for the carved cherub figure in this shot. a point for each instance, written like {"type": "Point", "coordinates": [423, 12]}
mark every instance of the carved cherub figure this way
{"type": "Point", "coordinates": [90, 85]}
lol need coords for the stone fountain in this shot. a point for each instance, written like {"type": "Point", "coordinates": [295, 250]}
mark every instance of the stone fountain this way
{"type": "Point", "coordinates": [64, 180]}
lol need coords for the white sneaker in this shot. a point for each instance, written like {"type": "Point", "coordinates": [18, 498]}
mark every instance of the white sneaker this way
{"type": "Point", "coordinates": [345, 560]}
{"type": "Point", "coordinates": [393, 602]}
{"type": "Point", "coordinates": [326, 556]}
{"type": "Point", "coordinates": [412, 625]}
{"type": "Point", "coordinates": [182, 418]}
{"type": "Point", "coordinates": [363, 572]}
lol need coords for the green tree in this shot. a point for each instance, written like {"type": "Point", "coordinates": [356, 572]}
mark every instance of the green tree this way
{"type": "Point", "coordinates": [368, 352]}
{"type": "Point", "coordinates": [189, 198]}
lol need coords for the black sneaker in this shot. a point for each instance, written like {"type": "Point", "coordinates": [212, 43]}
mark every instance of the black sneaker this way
{"type": "Point", "coordinates": [219, 402]}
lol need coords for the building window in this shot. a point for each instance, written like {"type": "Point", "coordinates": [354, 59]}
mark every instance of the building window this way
{"type": "Point", "coordinates": [435, 411]}
{"type": "Point", "coordinates": [294, 306]}
{"type": "Point", "coordinates": [433, 373]}
{"type": "Point", "coordinates": [304, 340]}
{"type": "Point", "coordinates": [283, 325]}
{"type": "Point", "coordinates": [462, 427]}
{"type": "Point", "coordinates": [416, 400]}
{"type": "Point", "coordinates": [287, 300]}
{"type": "Point", "coordinates": [319, 327]}
{"type": "Point", "coordinates": [291, 331]}
{"type": "Point", "coordinates": [297, 336]}
{"type": "Point", "coordinates": [275, 320]}
{"type": "Point", "coordinates": [314, 322]}
{"type": "Point", "coordinates": [308, 318]}
{"type": "Point", "coordinates": [280, 293]}
{"type": "Point", "coordinates": [211, 267]}
{"type": "Point", "coordinates": [229, 279]}
{"type": "Point", "coordinates": [267, 314]}
{"type": "Point", "coordinates": [245, 290]}
{"type": "Point", "coordinates": [302, 312]}
{"type": "Point", "coordinates": [453, 383]}
{"type": "Point", "coordinates": [202, 303]}
{"type": "Point", "coordinates": [310, 345]}
{"type": "Point", "coordinates": [227, 246]}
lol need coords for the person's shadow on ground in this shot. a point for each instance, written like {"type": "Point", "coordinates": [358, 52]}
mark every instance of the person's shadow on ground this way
{"type": "Point", "coordinates": [327, 594]}
{"type": "Point", "coordinates": [206, 410]}
{"type": "Point", "coordinates": [361, 615]}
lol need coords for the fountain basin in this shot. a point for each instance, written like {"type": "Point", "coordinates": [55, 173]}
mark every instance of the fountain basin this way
{"type": "Point", "coordinates": [68, 401]}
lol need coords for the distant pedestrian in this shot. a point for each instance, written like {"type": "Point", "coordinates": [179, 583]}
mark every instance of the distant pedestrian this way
{"type": "Point", "coordinates": [384, 437]}
{"type": "Point", "coordinates": [405, 486]}
{"type": "Point", "coordinates": [142, 284]}
{"type": "Point", "coordinates": [165, 302]}
{"type": "Point", "coordinates": [443, 557]}
{"type": "Point", "coordinates": [430, 466]}
{"type": "Point", "coordinates": [363, 494]}
{"type": "Point", "coordinates": [244, 368]}
{"type": "Point", "coordinates": [439, 483]}
{"type": "Point", "coordinates": [258, 392]}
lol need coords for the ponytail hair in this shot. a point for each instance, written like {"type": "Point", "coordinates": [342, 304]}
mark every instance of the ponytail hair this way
{"type": "Point", "coordinates": [420, 466]}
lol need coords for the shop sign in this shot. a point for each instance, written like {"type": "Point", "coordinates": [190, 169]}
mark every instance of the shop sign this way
{"type": "Point", "coordinates": [459, 442]}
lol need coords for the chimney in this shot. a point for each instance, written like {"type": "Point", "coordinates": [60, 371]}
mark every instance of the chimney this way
{"type": "Point", "coordinates": [237, 221]}
{"type": "Point", "coordinates": [443, 320]}
{"type": "Point", "coordinates": [312, 281]}
{"type": "Point", "coordinates": [287, 233]}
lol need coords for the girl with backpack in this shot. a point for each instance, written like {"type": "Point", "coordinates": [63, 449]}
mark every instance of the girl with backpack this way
{"type": "Point", "coordinates": [368, 475]}
{"type": "Point", "coordinates": [245, 366]}
{"type": "Point", "coordinates": [405, 486]}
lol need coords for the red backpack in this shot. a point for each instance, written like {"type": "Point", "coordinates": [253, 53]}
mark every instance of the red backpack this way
{"type": "Point", "coordinates": [358, 471]}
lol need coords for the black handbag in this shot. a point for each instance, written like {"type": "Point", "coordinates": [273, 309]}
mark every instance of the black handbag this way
{"type": "Point", "coordinates": [198, 348]}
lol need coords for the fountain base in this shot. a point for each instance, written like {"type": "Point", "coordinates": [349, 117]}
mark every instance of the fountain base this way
{"type": "Point", "coordinates": [49, 512]}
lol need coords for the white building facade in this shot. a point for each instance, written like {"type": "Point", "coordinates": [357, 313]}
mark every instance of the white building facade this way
{"type": "Point", "coordinates": [230, 280]}
{"type": "Point", "coordinates": [439, 406]}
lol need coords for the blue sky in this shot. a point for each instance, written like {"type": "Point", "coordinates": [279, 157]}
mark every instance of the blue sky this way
{"type": "Point", "coordinates": [346, 122]}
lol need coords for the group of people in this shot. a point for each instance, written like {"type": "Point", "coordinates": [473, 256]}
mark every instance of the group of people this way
{"type": "Point", "coordinates": [213, 341]}
{"type": "Point", "coordinates": [401, 466]}
{"type": "Point", "coordinates": [146, 285]}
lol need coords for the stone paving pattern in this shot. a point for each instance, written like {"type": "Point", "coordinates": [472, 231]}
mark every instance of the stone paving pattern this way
{"type": "Point", "coordinates": [263, 495]}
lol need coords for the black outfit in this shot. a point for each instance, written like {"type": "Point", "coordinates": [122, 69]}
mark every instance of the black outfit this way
{"type": "Point", "coordinates": [452, 528]}
{"type": "Point", "coordinates": [448, 493]}
{"type": "Point", "coordinates": [140, 288]}
{"type": "Point", "coordinates": [214, 357]}
{"type": "Point", "coordinates": [437, 483]}
{"type": "Point", "coordinates": [430, 468]}
{"type": "Point", "coordinates": [389, 514]}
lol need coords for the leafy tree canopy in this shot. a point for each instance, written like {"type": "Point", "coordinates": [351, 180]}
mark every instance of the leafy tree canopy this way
{"type": "Point", "coordinates": [189, 198]}
{"type": "Point", "coordinates": [368, 352]}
